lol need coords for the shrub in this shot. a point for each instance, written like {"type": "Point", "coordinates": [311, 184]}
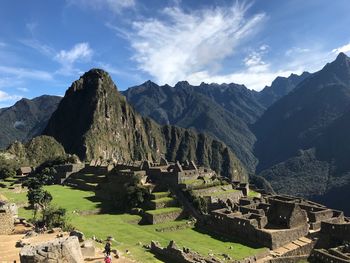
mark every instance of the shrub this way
{"type": "Point", "coordinates": [55, 217]}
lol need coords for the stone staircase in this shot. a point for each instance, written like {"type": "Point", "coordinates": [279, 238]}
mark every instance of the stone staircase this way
{"type": "Point", "coordinates": [161, 208]}
{"type": "Point", "coordinates": [297, 248]}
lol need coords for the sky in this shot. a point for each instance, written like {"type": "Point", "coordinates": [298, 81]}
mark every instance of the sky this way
{"type": "Point", "coordinates": [46, 45]}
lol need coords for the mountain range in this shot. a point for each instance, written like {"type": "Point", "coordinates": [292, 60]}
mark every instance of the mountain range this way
{"type": "Point", "coordinates": [94, 120]}
{"type": "Point", "coordinates": [302, 139]}
{"type": "Point", "coordinates": [26, 119]}
{"type": "Point", "coordinates": [294, 133]}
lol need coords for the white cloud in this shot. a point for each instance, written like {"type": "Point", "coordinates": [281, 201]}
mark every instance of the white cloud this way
{"type": "Point", "coordinates": [344, 49]}
{"type": "Point", "coordinates": [80, 52]}
{"type": "Point", "coordinates": [115, 6]}
{"type": "Point", "coordinates": [185, 44]}
{"type": "Point", "coordinates": [6, 97]}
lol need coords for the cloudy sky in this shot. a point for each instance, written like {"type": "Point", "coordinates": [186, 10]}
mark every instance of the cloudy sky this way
{"type": "Point", "coordinates": [45, 45]}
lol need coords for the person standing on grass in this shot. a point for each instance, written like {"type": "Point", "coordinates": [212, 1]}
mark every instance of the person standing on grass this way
{"type": "Point", "coordinates": [108, 248]}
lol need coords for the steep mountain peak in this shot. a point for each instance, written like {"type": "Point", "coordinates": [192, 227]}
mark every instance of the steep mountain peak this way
{"type": "Point", "coordinates": [182, 84]}
{"type": "Point", "coordinates": [337, 71]}
{"type": "Point", "coordinates": [96, 79]}
{"type": "Point", "coordinates": [149, 83]}
{"type": "Point", "coordinates": [342, 57]}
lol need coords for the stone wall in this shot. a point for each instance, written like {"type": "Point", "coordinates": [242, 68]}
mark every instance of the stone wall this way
{"type": "Point", "coordinates": [247, 229]}
{"type": "Point", "coordinates": [163, 217]}
{"type": "Point", "coordinates": [286, 214]}
{"type": "Point", "coordinates": [291, 259]}
{"type": "Point", "coordinates": [6, 221]}
{"type": "Point", "coordinates": [323, 256]}
{"type": "Point", "coordinates": [336, 231]}
{"type": "Point", "coordinates": [65, 170]}
{"type": "Point", "coordinates": [173, 254]}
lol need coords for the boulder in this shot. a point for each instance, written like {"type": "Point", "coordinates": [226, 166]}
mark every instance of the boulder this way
{"type": "Point", "coordinates": [88, 249]}
{"type": "Point", "coordinates": [78, 234]}
{"type": "Point", "coordinates": [62, 250]}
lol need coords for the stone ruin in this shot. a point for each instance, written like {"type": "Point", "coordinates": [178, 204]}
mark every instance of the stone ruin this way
{"type": "Point", "coordinates": [8, 215]}
{"type": "Point", "coordinates": [270, 221]}
{"type": "Point", "coordinates": [333, 244]}
{"type": "Point", "coordinates": [61, 250]}
{"type": "Point", "coordinates": [174, 254]}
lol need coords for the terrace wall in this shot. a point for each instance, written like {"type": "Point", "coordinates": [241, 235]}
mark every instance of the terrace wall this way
{"type": "Point", "coordinates": [6, 221]}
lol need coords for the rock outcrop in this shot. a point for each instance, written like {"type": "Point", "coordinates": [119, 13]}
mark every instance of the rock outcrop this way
{"type": "Point", "coordinates": [95, 121]}
{"type": "Point", "coordinates": [62, 250]}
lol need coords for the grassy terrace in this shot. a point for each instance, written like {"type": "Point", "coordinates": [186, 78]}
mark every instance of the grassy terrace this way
{"type": "Point", "coordinates": [253, 194]}
{"type": "Point", "coordinates": [223, 192]}
{"type": "Point", "coordinates": [163, 200]}
{"type": "Point", "coordinates": [127, 233]}
{"type": "Point", "coordinates": [164, 210]}
{"type": "Point", "coordinates": [160, 194]}
{"type": "Point", "coordinates": [193, 182]}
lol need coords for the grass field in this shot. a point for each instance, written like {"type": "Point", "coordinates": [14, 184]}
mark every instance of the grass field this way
{"type": "Point", "coordinates": [124, 228]}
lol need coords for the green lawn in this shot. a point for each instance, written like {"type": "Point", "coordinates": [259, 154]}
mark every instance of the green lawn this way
{"type": "Point", "coordinates": [127, 233]}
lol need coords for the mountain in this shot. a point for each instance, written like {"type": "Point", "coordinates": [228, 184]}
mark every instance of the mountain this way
{"type": "Point", "coordinates": [94, 120]}
{"type": "Point", "coordinates": [222, 111]}
{"type": "Point", "coordinates": [302, 139]}
{"type": "Point", "coordinates": [280, 87]}
{"type": "Point", "coordinates": [34, 152]}
{"type": "Point", "coordinates": [26, 119]}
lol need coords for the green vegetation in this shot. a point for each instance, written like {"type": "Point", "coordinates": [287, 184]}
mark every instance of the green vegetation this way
{"type": "Point", "coordinates": [128, 234]}
{"type": "Point", "coordinates": [163, 199]}
{"type": "Point", "coordinates": [157, 195]}
{"type": "Point", "coordinates": [35, 113]}
{"type": "Point", "coordinates": [224, 192]}
{"type": "Point", "coordinates": [253, 194]}
{"type": "Point", "coordinates": [36, 151]}
{"type": "Point", "coordinates": [164, 210]}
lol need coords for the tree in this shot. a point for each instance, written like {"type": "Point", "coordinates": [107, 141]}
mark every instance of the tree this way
{"type": "Point", "coordinates": [6, 172]}
{"type": "Point", "coordinates": [39, 198]}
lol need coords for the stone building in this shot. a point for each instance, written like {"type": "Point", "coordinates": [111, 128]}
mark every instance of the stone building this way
{"type": "Point", "coordinates": [270, 221]}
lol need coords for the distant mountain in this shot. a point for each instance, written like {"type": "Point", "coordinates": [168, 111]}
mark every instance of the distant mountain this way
{"type": "Point", "coordinates": [303, 139]}
{"type": "Point", "coordinates": [223, 111]}
{"type": "Point", "coordinates": [94, 120]}
{"type": "Point", "coordinates": [280, 87]}
{"type": "Point", "coordinates": [26, 119]}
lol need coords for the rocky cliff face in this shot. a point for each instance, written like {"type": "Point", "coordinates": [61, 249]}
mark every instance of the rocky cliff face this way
{"type": "Point", "coordinates": [94, 120]}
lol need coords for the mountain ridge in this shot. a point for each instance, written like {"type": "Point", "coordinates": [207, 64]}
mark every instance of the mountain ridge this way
{"type": "Point", "coordinates": [94, 120]}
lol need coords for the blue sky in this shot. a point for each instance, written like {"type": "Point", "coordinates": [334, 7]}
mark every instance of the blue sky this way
{"type": "Point", "coordinates": [45, 45]}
